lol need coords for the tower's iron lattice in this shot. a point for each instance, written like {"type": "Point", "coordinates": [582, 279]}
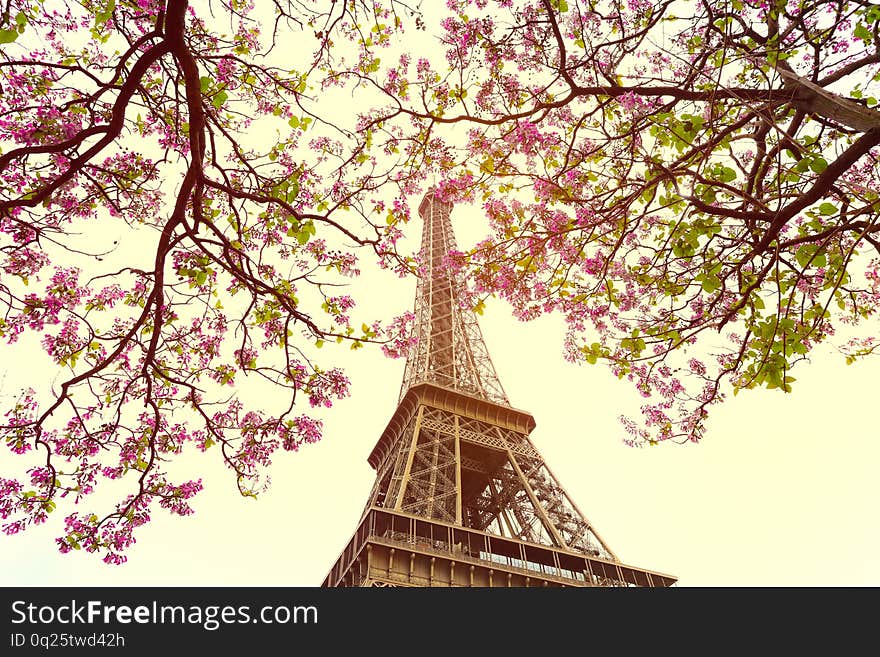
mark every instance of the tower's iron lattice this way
{"type": "Point", "coordinates": [462, 497]}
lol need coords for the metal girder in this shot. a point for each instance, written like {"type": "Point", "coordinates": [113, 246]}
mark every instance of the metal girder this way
{"type": "Point", "coordinates": [450, 351]}
{"type": "Point", "coordinates": [445, 465]}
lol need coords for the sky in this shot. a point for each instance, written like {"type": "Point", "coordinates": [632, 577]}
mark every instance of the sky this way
{"type": "Point", "coordinates": [781, 491]}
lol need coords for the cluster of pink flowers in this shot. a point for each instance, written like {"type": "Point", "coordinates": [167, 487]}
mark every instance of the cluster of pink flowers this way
{"type": "Point", "coordinates": [458, 189]}
{"type": "Point", "coordinates": [299, 430]}
{"type": "Point", "coordinates": [323, 387]}
{"type": "Point", "coordinates": [25, 262]}
{"type": "Point", "coordinates": [66, 344]}
{"type": "Point", "coordinates": [526, 137]}
{"type": "Point", "coordinates": [17, 431]}
{"type": "Point", "coordinates": [343, 261]}
{"type": "Point", "coordinates": [338, 308]}
{"type": "Point", "coordinates": [401, 336]}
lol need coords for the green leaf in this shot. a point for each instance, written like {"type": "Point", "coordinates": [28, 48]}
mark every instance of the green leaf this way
{"type": "Point", "coordinates": [21, 19]}
{"type": "Point", "coordinates": [827, 208]}
{"type": "Point", "coordinates": [205, 83]}
{"type": "Point", "coordinates": [8, 36]}
{"type": "Point", "coordinates": [711, 283]}
{"type": "Point", "coordinates": [102, 17]}
{"type": "Point", "coordinates": [819, 164]}
{"type": "Point", "coordinates": [804, 254]}
{"type": "Point", "coordinates": [219, 98]}
{"type": "Point", "coordinates": [727, 174]}
{"type": "Point", "coordinates": [373, 66]}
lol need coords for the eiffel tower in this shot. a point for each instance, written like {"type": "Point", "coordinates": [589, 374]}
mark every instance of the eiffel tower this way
{"type": "Point", "coordinates": [462, 497]}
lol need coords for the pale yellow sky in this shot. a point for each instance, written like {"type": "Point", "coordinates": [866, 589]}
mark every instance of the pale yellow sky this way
{"type": "Point", "coordinates": [782, 490]}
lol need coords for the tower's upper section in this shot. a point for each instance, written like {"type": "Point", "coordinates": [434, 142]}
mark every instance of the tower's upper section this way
{"type": "Point", "coordinates": [450, 351]}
